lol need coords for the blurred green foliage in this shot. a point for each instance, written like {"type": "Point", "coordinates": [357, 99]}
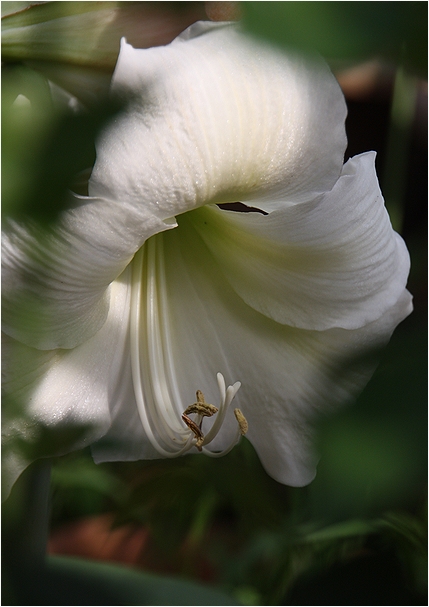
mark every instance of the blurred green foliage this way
{"type": "Point", "coordinates": [74, 581]}
{"type": "Point", "coordinates": [69, 32]}
{"type": "Point", "coordinates": [374, 453]}
{"type": "Point", "coordinates": [44, 146]}
{"type": "Point", "coordinates": [345, 32]}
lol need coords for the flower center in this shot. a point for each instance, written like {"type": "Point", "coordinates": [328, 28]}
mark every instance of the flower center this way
{"type": "Point", "coordinates": [165, 420]}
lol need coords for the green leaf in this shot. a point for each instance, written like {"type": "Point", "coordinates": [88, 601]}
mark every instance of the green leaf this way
{"type": "Point", "coordinates": [374, 454]}
{"type": "Point", "coordinates": [340, 531]}
{"type": "Point", "coordinates": [72, 581]}
{"type": "Point", "coordinates": [43, 147]}
{"type": "Point", "coordinates": [62, 31]}
{"type": "Point", "coordinates": [345, 31]}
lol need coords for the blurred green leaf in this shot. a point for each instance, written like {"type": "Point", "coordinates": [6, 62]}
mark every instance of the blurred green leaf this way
{"type": "Point", "coordinates": [248, 595]}
{"type": "Point", "coordinates": [82, 488]}
{"type": "Point", "coordinates": [341, 530]}
{"type": "Point", "coordinates": [199, 490]}
{"type": "Point", "coordinates": [76, 44]}
{"type": "Point", "coordinates": [44, 147]}
{"type": "Point", "coordinates": [80, 471]}
{"type": "Point", "coordinates": [409, 534]}
{"type": "Point", "coordinates": [10, 7]}
{"type": "Point", "coordinates": [364, 578]}
{"type": "Point", "coordinates": [27, 120]}
{"type": "Point", "coordinates": [61, 31]}
{"type": "Point", "coordinates": [72, 581]}
{"type": "Point", "coordinates": [374, 454]}
{"type": "Point", "coordinates": [345, 31]}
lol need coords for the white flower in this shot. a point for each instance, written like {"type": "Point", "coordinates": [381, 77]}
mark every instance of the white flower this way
{"type": "Point", "coordinates": [148, 291]}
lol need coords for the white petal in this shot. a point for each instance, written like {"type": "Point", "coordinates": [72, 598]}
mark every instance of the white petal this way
{"type": "Point", "coordinates": [313, 386]}
{"type": "Point", "coordinates": [56, 286]}
{"type": "Point", "coordinates": [126, 439]}
{"type": "Point", "coordinates": [217, 117]}
{"type": "Point", "coordinates": [60, 398]}
{"type": "Point", "coordinates": [287, 374]}
{"type": "Point", "coordinates": [331, 262]}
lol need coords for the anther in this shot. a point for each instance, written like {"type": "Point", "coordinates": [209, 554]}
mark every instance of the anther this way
{"type": "Point", "coordinates": [195, 429]}
{"type": "Point", "coordinates": [201, 407]}
{"type": "Point", "coordinates": [242, 421]}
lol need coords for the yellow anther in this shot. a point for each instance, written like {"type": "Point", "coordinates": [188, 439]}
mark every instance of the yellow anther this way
{"type": "Point", "coordinates": [242, 421]}
{"type": "Point", "coordinates": [201, 407]}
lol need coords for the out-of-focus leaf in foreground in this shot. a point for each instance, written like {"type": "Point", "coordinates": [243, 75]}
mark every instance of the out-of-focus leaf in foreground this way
{"type": "Point", "coordinates": [43, 147]}
{"type": "Point", "coordinates": [71, 581]}
{"type": "Point", "coordinates": [345, 31]}
{"type": "Point", "coordinates": [76, 44]}
{"type": "Point", "coordinates": [374, 453]}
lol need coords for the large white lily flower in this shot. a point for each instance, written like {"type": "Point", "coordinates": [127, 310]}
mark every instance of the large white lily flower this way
{"type": "Point", "coordinates": [149, 291]}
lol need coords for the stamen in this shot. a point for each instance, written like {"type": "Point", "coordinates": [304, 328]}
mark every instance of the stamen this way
{"type": "Point", "coordinates": [150, 358]}
{"type": "Point", "coordinates": [226, 398]}
{"type": "Point", "coordinates": [153, 367]}
{"type": "Point", "coordinates": [242, 429]}
{"type": "Point", "coordinates": [242, 421]}
{"type": "Point", "coordinates": [195, 429]}
{"type": "Point", "coordinates": [201, 407]}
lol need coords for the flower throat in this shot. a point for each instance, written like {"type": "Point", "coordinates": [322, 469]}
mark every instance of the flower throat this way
{"type": "Point", "coordinates": [166, 421]}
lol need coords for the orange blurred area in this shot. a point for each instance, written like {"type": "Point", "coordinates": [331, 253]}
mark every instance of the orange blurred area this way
{"type": "Point", "coordinates": [97, 538]}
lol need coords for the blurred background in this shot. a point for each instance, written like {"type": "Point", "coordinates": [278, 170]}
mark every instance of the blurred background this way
{"type": "Point", "coordinates": [358, 534]}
